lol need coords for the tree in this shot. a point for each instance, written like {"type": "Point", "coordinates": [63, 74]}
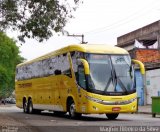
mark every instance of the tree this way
{"type": "Point", "coordinates": [36, 19]}
{"type": "Point", "coordinates": [9, 58]}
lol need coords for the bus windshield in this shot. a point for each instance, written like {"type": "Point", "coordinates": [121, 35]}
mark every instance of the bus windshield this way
{"type": "Point", "coordinates": [110, 74]}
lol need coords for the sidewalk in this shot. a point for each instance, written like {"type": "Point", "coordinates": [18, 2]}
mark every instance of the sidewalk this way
{"type": "Point", "coordinates": [7, 105]}
{"type": "Point", "coordinates": [147, 109]}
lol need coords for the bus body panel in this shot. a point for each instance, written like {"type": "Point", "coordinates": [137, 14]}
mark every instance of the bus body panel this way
{"type": "Point", "coordinates": [49, 93]}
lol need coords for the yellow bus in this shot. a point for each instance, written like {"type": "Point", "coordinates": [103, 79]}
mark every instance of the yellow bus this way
{"type": "Point", "coordinates": [79, 79]}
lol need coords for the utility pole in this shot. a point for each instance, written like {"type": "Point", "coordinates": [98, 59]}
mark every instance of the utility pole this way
{"type": "Point", "coordinates": [82, 36]}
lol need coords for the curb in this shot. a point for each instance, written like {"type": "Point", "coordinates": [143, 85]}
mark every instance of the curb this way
{"type": "Point", "coordinates": [144, 112]}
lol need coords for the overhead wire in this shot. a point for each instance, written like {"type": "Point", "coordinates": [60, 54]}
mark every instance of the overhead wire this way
{"type": "Point", "coordinates": [124, 20]}
{"type": "Point", "coordinates": [76, 38]}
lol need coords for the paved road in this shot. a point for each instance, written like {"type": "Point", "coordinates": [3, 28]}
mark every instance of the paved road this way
{"type": "Point", "coordinates": [13, 119]}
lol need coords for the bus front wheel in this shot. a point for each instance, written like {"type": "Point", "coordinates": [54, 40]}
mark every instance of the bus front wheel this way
{"type": "Point", "coordinates": [72, 110]}
{"type": "Point", "coordinates": [112, 116]}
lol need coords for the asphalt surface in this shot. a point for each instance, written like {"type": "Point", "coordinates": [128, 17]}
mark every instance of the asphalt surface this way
{"type": "Point", "coordinates": [12, 119]}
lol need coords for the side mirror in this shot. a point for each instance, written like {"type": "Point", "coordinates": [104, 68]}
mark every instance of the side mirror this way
{"type": "Point", "coordinates": [141, 65]}
{"type": "Point", "coordinates": [85, 64]}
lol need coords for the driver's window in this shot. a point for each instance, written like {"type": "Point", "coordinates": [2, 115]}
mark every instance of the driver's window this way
{"type": "Point", "coordinates": [81, 76]}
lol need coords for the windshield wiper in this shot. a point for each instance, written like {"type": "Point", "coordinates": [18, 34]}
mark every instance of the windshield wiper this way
{"type": "Point", "coordinates": [122, 85]}
{"type": "Point", "coordinates": [109, 81]}
{"type": "Point", "coordinates": [117, 80]}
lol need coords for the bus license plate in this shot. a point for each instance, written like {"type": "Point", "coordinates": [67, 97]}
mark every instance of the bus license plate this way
{"type": "Point", "coordinates": [116, 108]}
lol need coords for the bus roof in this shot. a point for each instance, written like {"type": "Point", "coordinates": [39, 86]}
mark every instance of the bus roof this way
{"type": "Point", "coordinates": [88, 48]}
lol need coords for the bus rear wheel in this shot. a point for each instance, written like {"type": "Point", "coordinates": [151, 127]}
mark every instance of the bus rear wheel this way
{"type": "Point", "coordinates": [25, 107]}
{"type": "Point", "coordinates": [72, 110]}
{"type": "Point", "coordinates": [30, 107]}
{"type": "Point", "coordinates": [112, 116]}
{"type": "Point", "coordinates": [31, 110]}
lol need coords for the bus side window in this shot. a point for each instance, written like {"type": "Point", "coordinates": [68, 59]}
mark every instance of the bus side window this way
{"type": "Point", "coordinates": [81, 77]}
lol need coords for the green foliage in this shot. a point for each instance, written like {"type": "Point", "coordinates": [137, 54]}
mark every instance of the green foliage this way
{"type": "Point", "coordinates": [9, 58]}
{"type": "Point", "coordinates": [36, 18]}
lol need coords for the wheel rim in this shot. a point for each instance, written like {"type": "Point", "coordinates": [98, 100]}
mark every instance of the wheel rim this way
{"type": "Point", "coordinates": [72, 110]}
{"type": "Point", "coordinates": [25, 107]}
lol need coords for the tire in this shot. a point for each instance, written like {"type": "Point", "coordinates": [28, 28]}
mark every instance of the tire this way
{"type": "Point", "coordinates": [30, 107]}
{"type": "Point", "coordinates": [153, 115]}
{"type": "Point", "coordinates": [25, 107]}
{"type": "Point", "coordinates": [72, 110]}
{"type": "Point", "coordinates": [112, 116]}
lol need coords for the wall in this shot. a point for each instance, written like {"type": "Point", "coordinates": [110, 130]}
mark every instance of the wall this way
{"type": "Point", "coordinates": [152, 84]}
{"type": "Point", "coordinates": [147, 55]}
{"type": "Point", "coordinates": [151, 30]}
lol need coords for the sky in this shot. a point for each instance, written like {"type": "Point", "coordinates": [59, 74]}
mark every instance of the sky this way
{"type": "Point", "coordinates": [101, 22]}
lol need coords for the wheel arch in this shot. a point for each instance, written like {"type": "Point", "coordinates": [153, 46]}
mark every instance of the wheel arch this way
{"type": "Point", "coordinates": [29, 98]}
{"type": "Point", "coordinates": [69, 99]}
{"type": "Point", "coordinates": [24, 100]}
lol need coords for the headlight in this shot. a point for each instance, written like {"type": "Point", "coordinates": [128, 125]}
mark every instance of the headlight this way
{"type": "Point", "coordinates": [94, 99]}
{"type": "Point", "coordinates": [105, 102]}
